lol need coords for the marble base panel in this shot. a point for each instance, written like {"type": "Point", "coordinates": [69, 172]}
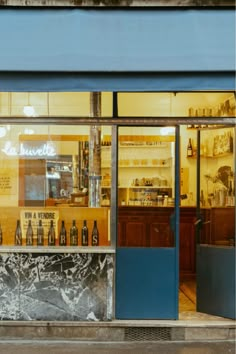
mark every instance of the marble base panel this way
{"type": "Point", "coordinates": [56, 287]}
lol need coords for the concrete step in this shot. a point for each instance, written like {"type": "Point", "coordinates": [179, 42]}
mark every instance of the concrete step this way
{"type": "Point", "coordinates": [120, 331]}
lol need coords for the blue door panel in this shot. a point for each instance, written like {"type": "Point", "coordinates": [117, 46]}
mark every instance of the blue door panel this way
{"type": "Point", "coordinates": [216, 282]}
{"type": "Point", "coordinates": [146, 284]}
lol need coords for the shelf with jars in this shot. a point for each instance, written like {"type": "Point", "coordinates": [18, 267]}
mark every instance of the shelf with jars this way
{"type": "Point", "coordinates": [225, 108]}
{"type": "Point", "coordinates": [126, 163]}
{"type": "Point", "coordinates": [147, 158]}
{"type": "Point", "coordinates": [146, 192]}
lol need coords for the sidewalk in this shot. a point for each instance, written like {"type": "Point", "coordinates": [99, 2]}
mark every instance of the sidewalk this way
{"type": "Point", "coordinates": [74, 347]}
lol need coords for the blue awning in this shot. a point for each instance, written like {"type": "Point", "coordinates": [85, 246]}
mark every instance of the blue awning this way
{"type": "Point", "coordinates": [81, 45]}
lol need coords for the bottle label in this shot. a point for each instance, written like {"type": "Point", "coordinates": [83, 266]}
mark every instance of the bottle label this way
{"type": "Point", "coordinates": [190, 152]}
{"type": "Point", "coordinates": [63, 238]}
{"type": "Point", "coordinates": [84, 238]}
{"type": "Point", "coordinates": [18, 239]}
{"type": "Point", "coordinates": [74, 237]}
{"type": "Point", "coordinates": [95, 239]}
{"type": "Point", "coordinates": [40, 237]}
{"type": "Point", "coordinates": [51, 238]}
{"type": "Point", "coordinates": [29, 240]}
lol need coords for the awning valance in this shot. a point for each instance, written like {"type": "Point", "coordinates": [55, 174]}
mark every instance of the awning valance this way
{"type": "Point", "coordinates": [76, 44]}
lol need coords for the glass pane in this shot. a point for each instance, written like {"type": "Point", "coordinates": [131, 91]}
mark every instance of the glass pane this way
{"type": "Point", "coordinates": [145, 104]}
{"type": "Point", "coordinates": [51, 104]}
{"type": "Point", "coordinates": [146, 186]}
{"type": "Point", "coordinates": [177, 104]}
{"type": "Point", "coordinates": [45, 174]}
{"type": "Point", "coordinates": [217, 185]}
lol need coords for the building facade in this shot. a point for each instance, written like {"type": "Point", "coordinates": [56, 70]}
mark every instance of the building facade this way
{"type": "Point", "coordinates": [86, 91]}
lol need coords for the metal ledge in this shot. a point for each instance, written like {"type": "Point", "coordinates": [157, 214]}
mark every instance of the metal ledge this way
{"type": "Point", "coordinates": [55, 249]}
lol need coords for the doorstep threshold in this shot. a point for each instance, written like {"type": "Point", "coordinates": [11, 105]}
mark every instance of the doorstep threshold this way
{"type": "Point", "coordinates": [124, 323]}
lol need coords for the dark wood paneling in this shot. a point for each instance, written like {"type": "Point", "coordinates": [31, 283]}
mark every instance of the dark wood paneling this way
{"type": "Point", "coordinates": [222, 225]}
{"type": "Point", "coordinates": [150, 227]}
{"type": "Point", "coordinates": [160, 234]}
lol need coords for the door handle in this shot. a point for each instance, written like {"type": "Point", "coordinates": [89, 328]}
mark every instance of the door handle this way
{"type": "Point", "coordinates": [198, 222]}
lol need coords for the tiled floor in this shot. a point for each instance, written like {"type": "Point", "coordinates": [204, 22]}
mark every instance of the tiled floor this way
{"type": "Point", "coordinates": [187, 304]}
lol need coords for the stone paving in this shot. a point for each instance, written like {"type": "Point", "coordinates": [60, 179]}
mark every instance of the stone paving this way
{"type": "Point", "coordinates": [74, 347]}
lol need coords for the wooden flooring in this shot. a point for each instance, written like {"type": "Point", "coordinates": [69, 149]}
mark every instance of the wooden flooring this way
{"type": "Point", "coordinates": [187, 296]}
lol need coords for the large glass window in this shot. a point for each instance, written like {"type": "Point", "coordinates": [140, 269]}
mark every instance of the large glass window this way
{"type": "Point", "coordinates": [63, 172]}
{"type": "Point", "coordinates": [53, 174]}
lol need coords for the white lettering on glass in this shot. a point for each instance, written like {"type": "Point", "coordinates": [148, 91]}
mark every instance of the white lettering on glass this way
{"type": "Point", "coordinates": [46, 149]}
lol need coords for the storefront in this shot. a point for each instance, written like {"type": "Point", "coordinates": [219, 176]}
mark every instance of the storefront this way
{"type": "Point", "coordinates": [126, 129]}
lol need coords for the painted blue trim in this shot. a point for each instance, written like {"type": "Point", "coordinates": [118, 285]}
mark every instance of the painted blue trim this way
{"type": "Point", "coordinates": [85, 82]}
{"type": "Point", "coordinates": [216, 282]}
{"type": "Point", "coordinates": [92, 40]}
{"type": "Point", "coordinates": [145, 283]}
{"type": "Point", "coordinates": [177, 212]}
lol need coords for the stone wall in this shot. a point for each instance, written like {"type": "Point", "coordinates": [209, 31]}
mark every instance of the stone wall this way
{"type": "Point", "coordinates": [56, 287]}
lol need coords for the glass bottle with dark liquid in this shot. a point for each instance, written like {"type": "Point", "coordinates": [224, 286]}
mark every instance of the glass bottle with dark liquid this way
{"type": "Point", "coordinates": [84, 234]}
{"type": "Point", "coordinates": [74, 234]}
{"type": "Point", "coordinates": [51, 235]}
{"type": "Point", "coordinates": [62, 236]}
{"type": "Point", "coordinates": [189, 149]}
{"type": "Point", "coordinates": [40, 234]}
{"type": "Point", "coordinates": [18, 234]}
{"type": "Point", "coordinates": [29, 234]}
{"type": "Point", "coordinates": [95, 234]}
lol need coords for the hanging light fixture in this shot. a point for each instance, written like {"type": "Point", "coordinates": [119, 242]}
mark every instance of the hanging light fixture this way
{"type": "Point", "coordinates": [29, 110]}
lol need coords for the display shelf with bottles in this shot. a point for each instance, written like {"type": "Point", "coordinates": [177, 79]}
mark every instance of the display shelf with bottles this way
{"type": "Point", "coordinates": [54, 228]}
{"type": "Point", "coordinates": [213, 144]}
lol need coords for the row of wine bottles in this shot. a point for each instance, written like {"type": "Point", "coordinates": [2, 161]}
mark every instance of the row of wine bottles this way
{"type": "Point", "coordinates": [51, 235]}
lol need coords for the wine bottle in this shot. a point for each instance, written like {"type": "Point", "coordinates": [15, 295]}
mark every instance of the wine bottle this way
{"type": "Point", "coordinates": [40, 234]}
{"type": "Point", "coordinates": [189, 149]}
{"type": "Point", "coordinates": [29, 234]}
{"type": "Point", "coordinates": [0, 234]}
{"type": "Point", "coordinates": [51, 235]}
{"type": "Point", "coordinates": [74, 234]}
{"type": "Point", "coordinates": [62, 236]}
{"type": "Point", "coordinates": [84, 234]}
{"type": "Point", "coordinates": [95, 234]}
{"type": "Point", "coordinates": [18, 234]}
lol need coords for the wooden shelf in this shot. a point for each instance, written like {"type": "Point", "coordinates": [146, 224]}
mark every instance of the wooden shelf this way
{"type": "Point", "coordinates": [212, 157]}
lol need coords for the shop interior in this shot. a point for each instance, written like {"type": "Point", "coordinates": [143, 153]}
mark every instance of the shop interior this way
{"type": "Point", "coordinates": [49, 165]}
